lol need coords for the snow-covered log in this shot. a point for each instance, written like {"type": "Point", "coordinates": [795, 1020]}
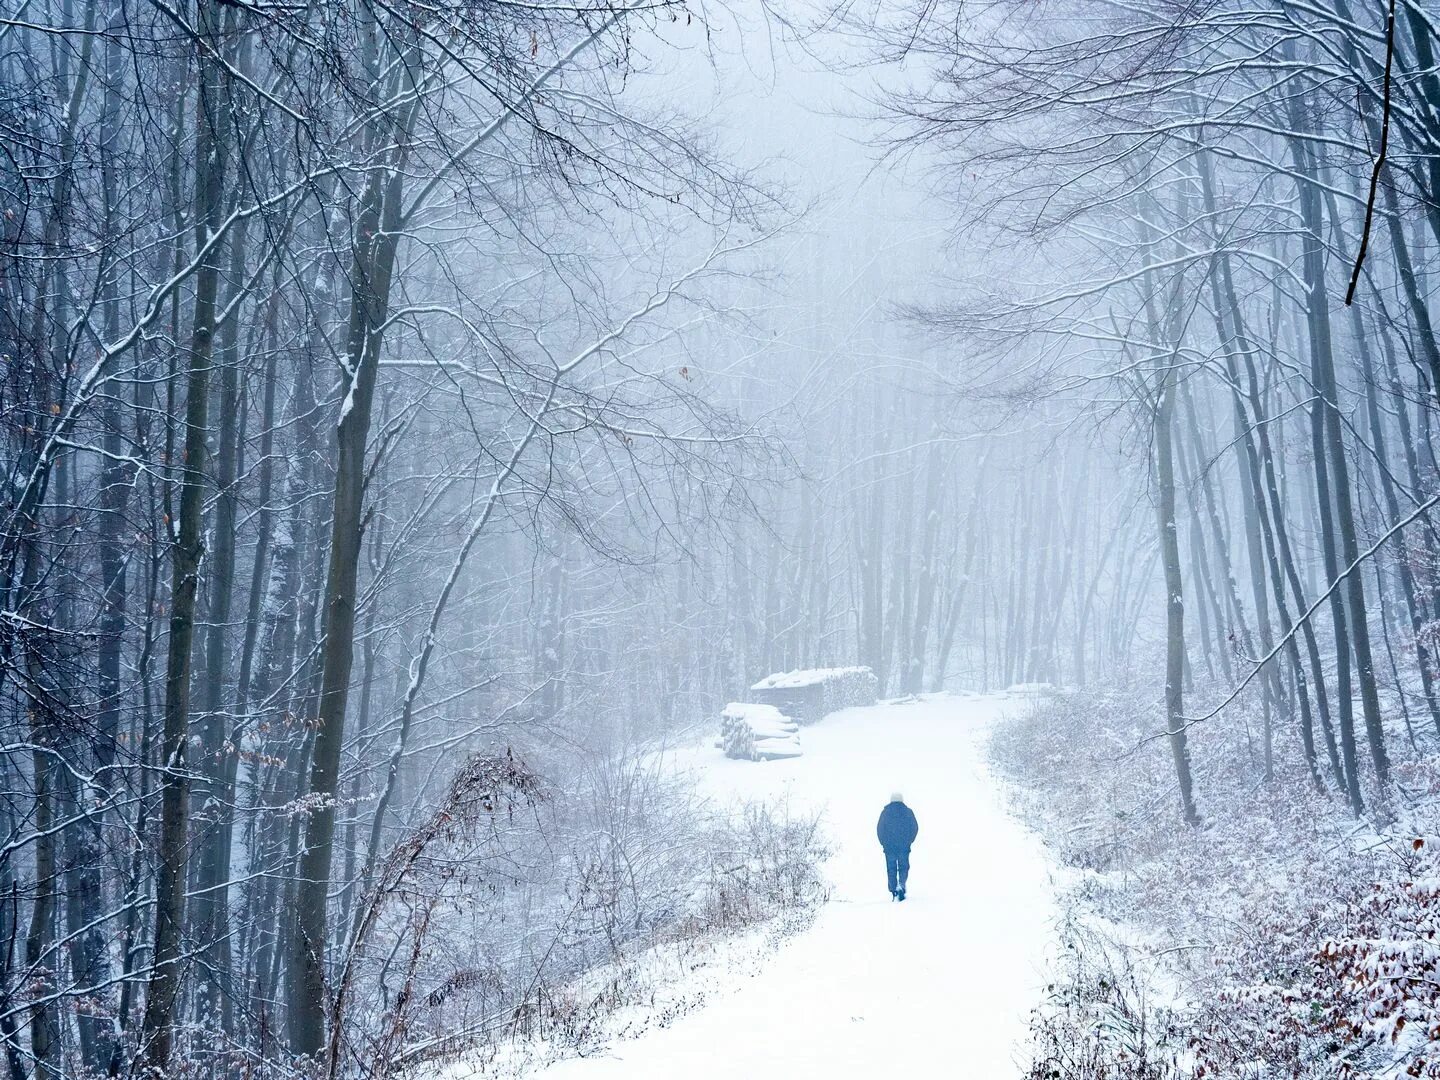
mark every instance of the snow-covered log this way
{"type": "Point", "coordinates": [1031, 689]}
{"type": "Point", "coordinates": [811, 695]}
{"type": "Point", "coordinates": [756, 732]}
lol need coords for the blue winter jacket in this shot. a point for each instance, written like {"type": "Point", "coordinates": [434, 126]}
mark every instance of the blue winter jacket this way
{"type": "Point", "coordinates": [897, 827]}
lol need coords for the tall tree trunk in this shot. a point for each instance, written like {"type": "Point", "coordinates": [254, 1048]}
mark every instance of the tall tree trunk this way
{"type": "Point", "coordinates": [215, 799]}
{"type": "Point", "coordinates": [1329, 440]}
{"type": "Point", "coordinates": [1408, 589]}
{"type": "Point", "coordinates": [1166, 369]}
{"type": "Point", "coordinates": [925, 585]}
{"type": "Point", "coordinates": [1260, 456]}
{"type": "Point", "coordinates": [377, 237]}
{"type": "Point", "coordinates": [210, 156]}
{"type": "Point", "coordinates": [1174, 590]}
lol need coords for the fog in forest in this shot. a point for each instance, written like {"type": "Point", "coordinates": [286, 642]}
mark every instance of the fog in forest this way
{"type": "Point", "coordinates": [499, 496]}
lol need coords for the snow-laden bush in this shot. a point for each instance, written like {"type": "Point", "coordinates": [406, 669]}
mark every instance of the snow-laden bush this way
{"type": "Point", "coordinates": [528, 908]}
{"type": "Point", "coordinates": [811, 695]}
{"type": "Point", "coordinates": [1281, 939]}
{"type": "Point", "coordinates": [753, 732]}
{"type": "Point", "coordinates": [1388, 966]}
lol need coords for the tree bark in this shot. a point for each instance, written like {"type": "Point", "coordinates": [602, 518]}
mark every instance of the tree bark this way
{"type": "Point", "coordinates": [376, 242]}
{"type": "Point", "coordinates": [187, 551]}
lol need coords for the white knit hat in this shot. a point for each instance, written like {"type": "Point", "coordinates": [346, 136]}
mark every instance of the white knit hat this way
{"type": "Point", "coordinates": [897, 797]}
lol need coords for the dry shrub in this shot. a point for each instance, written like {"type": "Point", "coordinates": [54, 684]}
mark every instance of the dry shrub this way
{"type": "Point", "coordinates": [1096, 1022]}
{"type": "Point", "coordinates": [766, 861]}
{"type": "Point", "coordinates": [534, 913]}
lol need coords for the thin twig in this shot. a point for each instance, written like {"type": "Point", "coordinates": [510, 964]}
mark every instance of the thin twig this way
{"type": "Point", "coordinates": [1379, 157]}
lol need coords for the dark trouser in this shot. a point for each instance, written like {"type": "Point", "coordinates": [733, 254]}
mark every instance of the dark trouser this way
{"type": "Point", "coordinates": [897, 868]}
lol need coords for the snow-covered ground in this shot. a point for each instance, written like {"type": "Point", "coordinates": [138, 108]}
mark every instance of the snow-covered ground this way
{"type": "Point", "coordinates": [939, 985]}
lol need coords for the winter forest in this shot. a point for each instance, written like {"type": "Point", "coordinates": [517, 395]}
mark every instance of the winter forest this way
{"type": "Point", "coordinates": [499, 493]}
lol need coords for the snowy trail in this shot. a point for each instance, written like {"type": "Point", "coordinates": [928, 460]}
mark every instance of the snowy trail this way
{"type": "Point", "coordinates": [938, 985]}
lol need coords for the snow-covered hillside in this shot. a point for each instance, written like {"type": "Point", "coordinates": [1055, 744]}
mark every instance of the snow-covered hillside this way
{"type": "Point", "coordinates": [875, 988]}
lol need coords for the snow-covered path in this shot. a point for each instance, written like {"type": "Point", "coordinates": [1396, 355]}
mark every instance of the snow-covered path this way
{"type": "Point", "coordinates": [937, 986]}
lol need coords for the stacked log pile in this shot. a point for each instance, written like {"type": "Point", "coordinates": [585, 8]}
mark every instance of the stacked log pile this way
{"type": "Point", "coordinates": [769, 727]}
{"type": "Point", "coordinates": [752, 731]}
{"type": "Point", "coordinates": [811, 695]}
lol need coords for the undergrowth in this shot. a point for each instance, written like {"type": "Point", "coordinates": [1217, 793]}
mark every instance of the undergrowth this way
{"type": "Point", "coordinates": [646, 907]}
{"type": "Point", "coordinates": [1281, 938]}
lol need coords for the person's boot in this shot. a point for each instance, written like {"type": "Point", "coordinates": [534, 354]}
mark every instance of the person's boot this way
{"type": "Point", "coordinates": [900, 894]}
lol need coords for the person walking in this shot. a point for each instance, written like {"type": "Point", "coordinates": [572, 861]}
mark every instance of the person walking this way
{"type": "Point", "coordinates": [896, 830]}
